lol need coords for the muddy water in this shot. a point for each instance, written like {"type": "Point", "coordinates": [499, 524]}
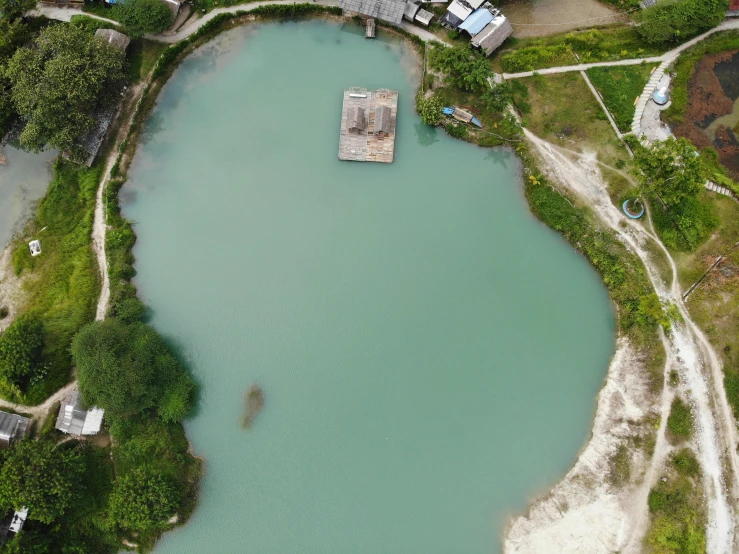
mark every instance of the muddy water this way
{"type": "Point", "coordinates": [531, 18]}
{"type": "Point", "coordinates": [22, 182]}
{"type": "Point", "coordinates": [429, 352]}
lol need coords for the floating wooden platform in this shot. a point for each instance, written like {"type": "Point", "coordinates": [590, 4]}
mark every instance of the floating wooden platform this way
{"type": "Point", "coordinates": [370, 32]}
{"type": "Point", "coordinates": [365, 136]}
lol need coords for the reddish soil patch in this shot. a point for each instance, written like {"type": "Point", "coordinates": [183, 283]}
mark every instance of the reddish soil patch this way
{"type": "Point", "coordinates": [708, 100]}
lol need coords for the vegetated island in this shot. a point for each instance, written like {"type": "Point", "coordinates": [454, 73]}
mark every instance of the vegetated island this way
{"type": "Point", "coordinates": [97, 496]}
{"type": "Point", "coordinates": [253, 404]}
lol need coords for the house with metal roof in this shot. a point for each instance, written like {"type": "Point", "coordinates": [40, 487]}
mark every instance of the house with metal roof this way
{"type": "Point", "coordinates": [12, 427]}
{"type": "Point", "coordinates": [424, 17]}
{"type": "Point", "coordinates": [477, 21]}
{"type": "Point", "coordinates": [75, 420]}
{"type": "Point", "coordinates": [458, 11]}
{"type": "Point", "coordinates": [493, 35]}
{"type": "Point", "coordinates": [387, 10]}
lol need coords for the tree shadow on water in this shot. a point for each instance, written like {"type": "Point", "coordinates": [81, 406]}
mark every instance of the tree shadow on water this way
{"type": "Point", "coordinates": [425, 134]}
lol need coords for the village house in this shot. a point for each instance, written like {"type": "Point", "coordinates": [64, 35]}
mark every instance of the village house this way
{"type": "Point", "coordinates": [12, 427]}
{"type": "Point", "coordinates": [73, 419]}
{"type": "Point", "coordinates": [487, 27]}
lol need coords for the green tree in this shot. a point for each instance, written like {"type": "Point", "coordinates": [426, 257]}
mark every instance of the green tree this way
{"type": "Point", "coordinates": [20, 349]}
{"type": "Point", "coordinates": [46, 479]}
{"type": "Point", "coordinates": [12, 9]}
{"type": "Point", "coordinates": [669, 170]}
{"type": "Point", "coordinates": [60, 82]}
{"type": "Point", "coordinates": [462, 66]}
{"type": "Point", "coordinates": [429, 109]}
{"type": "Point", "coordinates": [142, 500]}
{"type": "Point", "coordinates": [144, 16]}
{"type": "Point", "coordinates": [680, 20]}
{"type": "Point", "coordinates": [12, 35]}
{"type": "Point", "coordinates": [29, 542]}
{"type": "Point", "coordinates": [126, 369]}
{"type": "Point", "coordinates": [498, 97]}
{"type": "Point", "coordinates": [130, 310]}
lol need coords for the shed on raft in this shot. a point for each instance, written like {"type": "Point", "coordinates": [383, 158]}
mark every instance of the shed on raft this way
{"type": "Point", "coordinates": [75, 420]}
{"type": "Point", "coordinates": [375, 141]}
{"type": "Point", "coordinates": [12, 427]}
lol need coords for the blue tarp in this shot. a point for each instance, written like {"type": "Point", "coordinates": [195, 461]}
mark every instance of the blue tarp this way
{"type": "Point", "coordinates": [477, 21]}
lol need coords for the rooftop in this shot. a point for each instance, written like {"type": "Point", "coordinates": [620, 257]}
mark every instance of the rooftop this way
{"type": "Point", "coordinates": [113, 37]}
{"type": "Point", "coordinates": [387, 10]}
{"type": "Point", "coordinates": [374, 139]}
{"type": "Point", "coordinates": [12, 427]}
{"type": "Point", "coordinates": [75, 420]}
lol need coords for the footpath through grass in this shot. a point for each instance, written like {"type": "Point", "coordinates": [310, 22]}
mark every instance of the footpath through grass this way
{"type": "Point", "coordinates": [620, 87]}
{"type": "Point", "coordinates": [594, 45]}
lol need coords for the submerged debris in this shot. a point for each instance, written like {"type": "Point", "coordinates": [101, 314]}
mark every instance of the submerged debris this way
{"type": "Point", "coordinates": [253, 404]}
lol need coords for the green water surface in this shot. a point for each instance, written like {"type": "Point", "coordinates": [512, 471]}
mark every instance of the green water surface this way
{"type": "Point", "coordinates": [430, 353]}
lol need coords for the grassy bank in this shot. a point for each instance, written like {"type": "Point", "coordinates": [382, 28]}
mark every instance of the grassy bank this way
{"type": "Point", "coordinates": [594, 45]}
{"type": "Point", "coordinates": [620, 86]}
{"type": "Point", "coordinates": [61, 284]}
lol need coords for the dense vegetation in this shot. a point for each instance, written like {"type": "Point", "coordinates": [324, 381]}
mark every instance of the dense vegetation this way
{"type": "Point", "coordinates": [126, 369]}
{"type": "Point", "coordinates": [675, 21]}
{"type": "Point", "coordinates": [56, 111]}
{"type": "Point", "coordinates": [671, 173]}
{"type": "Point", "coordinates": [619, 86]}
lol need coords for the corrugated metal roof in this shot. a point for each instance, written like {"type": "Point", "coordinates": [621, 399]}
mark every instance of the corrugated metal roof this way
{"type": "Point", "coordinates": [459, 9]}
{"type": "Point", "coordinates": [387, 10]}
{"type": "Point", "coordinates": [411, 8]}
{"type": "Point", "coordinates": [493, 35]}
{"type": "Point", "coordinates": [477, 21]}
{"type": "Point", "coordinates": [424, 17]}
{"type": "Point", "coordinates": [12, 427]}
{"type": "Point", "coordinates": [73, 419]}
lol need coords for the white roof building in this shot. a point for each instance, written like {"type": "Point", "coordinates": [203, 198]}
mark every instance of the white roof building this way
{"type": "Point", "coordinates": [73, 419]}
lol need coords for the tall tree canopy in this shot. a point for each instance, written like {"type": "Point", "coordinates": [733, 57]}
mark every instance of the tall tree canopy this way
{"type": "Point", "coordinates": [12, 9]}
{"type": "Point", "coordinates": [46, 479]}
{"type": "Point", "coordinates": [12, 35]}
{"type": "Point", "coordinates": [462, 66]}
{"type": "Point", "coordinates": [20, 349]}
{"type": "Point", "coordinates": [142, 500]}
{"type": "Point", "coordinates": [670, 169]}
{"type": "Point", "coordinates": [127, 368]}
{"type": "Point", "coordinates": [60, 81]}
{"type": "Point", "coordinates": [144, 16]}
{"type": "Point", "coordinates": [680, 20]}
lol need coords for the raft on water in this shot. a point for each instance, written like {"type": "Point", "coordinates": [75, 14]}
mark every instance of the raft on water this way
{"type": "Point", "coordinates": [253, 404]}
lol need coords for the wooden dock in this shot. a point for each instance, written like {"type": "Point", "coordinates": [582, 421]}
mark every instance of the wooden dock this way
{"type": "Point", "coordinates": [366, 136]}
{"type": "Point", "coordinates": [370, 32]}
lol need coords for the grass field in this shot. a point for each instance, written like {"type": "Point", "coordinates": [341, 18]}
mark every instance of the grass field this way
{"type": "Point", "coordinates": [594, 45]}
{"type": "Point", "coordinates": [620, 86]}
{"type": "Point", "coordinates": [562, 110]}
{"type": "Point", "coordinates": [62, 283]}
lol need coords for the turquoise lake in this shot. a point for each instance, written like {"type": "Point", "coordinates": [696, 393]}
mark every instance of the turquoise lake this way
{"type": "Point", "coordinates": [430, 353]}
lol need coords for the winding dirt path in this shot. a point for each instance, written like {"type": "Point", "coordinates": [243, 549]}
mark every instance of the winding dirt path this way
{"type": "Point", "coordinates": [692, 355]}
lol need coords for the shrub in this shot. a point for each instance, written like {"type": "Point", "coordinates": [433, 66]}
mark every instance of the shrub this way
{"type": "Point", "coordinates": [429, 109]}
{"type": "Point", "coordinates": [462, 66]}
{"type": "Point", "coordinates": [142, 500]}
{"type": "Point", "coordinates": [680, 420]}
{"type": "Point", "coordinates": [678, 21]}
{"type": "Point", "coordinates": [20, 349]}
{"type": "Point", "coordinates": [144, 16]}
{"type": "Point", "coordinates": [686, 225]}
{"type": "Point", "coordinates": [685, 463]}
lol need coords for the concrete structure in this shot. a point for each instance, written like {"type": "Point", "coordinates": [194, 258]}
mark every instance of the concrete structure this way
{"type": "Point", "coordinates": [368, 122]}
{"type": "Point", "coordinates": [75, 420]}
{"type": "Point", "coordinates": [12, 427]}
